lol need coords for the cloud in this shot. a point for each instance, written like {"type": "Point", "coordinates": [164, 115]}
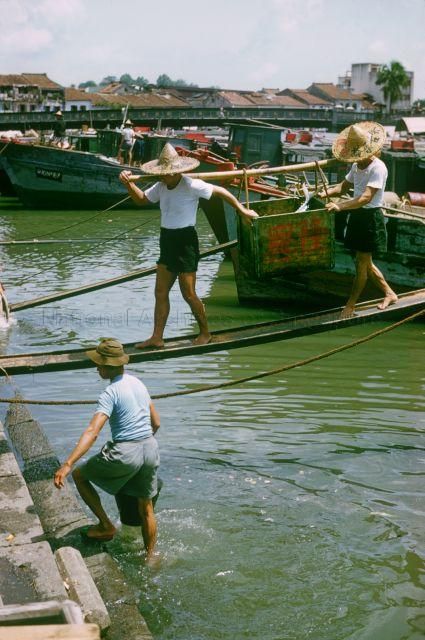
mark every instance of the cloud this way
{"type": "Point", "coordinates": [24, 40]}
{"type": "Point", "coordinates": [264, 72]}
{"type": "Point", "coordinates": [378, 48]}
{"type": "Point", "coordinates": [59, 11]}
{"type": "Point", "coordinates": [290, 15]}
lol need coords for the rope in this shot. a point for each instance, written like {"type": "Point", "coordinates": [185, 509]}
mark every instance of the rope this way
{"type": "Point", "coordinates": [5, 147]}
{"type": "Point", "coordinates": [323, 177]}
{"type": "Point", "coordinates": [245, 177]}
{"type": "Point", "coordinates": [75, 224]}
{"type": "Point", "coordinates": [222, 385]}
{"type": "Point", "coordinates": [81, 253]}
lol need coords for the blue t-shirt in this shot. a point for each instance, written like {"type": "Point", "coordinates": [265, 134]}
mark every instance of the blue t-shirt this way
{"type": "Point", "coordinates": [126, 402]}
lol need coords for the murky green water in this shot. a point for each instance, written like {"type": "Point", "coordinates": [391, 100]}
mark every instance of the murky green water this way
{"type": "Point", "coordinates": [293, 506]}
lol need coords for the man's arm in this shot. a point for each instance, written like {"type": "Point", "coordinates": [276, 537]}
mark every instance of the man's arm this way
{"type": "Point", "coordinates": [155, 420]}
{"type": "Point", "coordinates": [85, 442]}
{"type": "Point", "coordinates": [137, 195]}
{"type": "Point", "coordinates": [337, 190]}
{"type": "Point", "coordinates": [247, 214]}
{"type": "Point", "coordinates": [354, 203]}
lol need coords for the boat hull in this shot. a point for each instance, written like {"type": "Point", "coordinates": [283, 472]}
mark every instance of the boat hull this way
{"type": "Point", "coordinates": [52, 178]}
{"type": "Point", "coordinates": [301, 279]}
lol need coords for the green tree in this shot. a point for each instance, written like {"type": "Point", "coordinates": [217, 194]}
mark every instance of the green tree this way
{"type": "Point", "coordinates": [141, 81]}
{"type": "Point", "coordinates": [393, 78]}
{"type": "Point", "coordinates": [127, 79]}
{"type": "Point", "coordinates": [87, 84]}
{"type": "Point", "coordinates": [108, 80]}
{"type": "Point", "coordinates": [164, 81]}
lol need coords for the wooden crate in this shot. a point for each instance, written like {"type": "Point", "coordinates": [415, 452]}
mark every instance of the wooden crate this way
{"type": "Point", "coordinates": [280, 241]}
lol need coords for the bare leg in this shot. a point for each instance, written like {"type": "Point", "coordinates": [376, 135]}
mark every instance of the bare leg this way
{"type": "Point", "coordinates": [187, 282]}
{"type": "Point", "coordinates": [390, 297]}
{"type": "Point", "coordinates": [92, 500]}
{"type": "Point", "coordinates": [362, 264]}
{"type": "Point", "coordinates": [149, 529]}
{"type": "Point", "coordinates": [164, 281]}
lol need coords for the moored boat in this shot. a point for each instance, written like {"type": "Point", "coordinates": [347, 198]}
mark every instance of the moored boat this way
{"type": "Point", "coordinates": [289, 256]}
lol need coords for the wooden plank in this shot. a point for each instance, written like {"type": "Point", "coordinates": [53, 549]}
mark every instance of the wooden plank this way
{"type": "Point", "coordinates": [51, 632]}
{"type": "Point", "coordinates": [277, 330]}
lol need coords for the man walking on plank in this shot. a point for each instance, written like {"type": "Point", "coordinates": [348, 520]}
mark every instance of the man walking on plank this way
{"type": "Point", "coordinates": [178, 197]}
{"type": "Point", "coordinates": [129, 463]}
{"type": "Point", "coordinates": [366, 233]}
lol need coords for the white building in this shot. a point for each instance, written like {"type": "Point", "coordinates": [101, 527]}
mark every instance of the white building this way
{"type": "Point", "coordinates": [362, 79]}
{"type": "Point", "coordinates": [77, 100]}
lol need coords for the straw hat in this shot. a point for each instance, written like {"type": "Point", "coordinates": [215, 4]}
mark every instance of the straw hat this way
{"type": "Point", "coordinates": [169, 163]}
{"type": "Point", "coordinates": [359, 141]}
{"type": "Point", "coordinates": [109, 352]}
{"type": "Point", "coordinates": [58, 112]}
{"type": "Point", "coordinates": [129, 122]}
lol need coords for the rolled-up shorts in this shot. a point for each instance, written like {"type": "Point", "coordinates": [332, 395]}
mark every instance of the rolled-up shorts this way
{"type": "Point", "coordinates": [366, 231]}
{"type": "Point", "coordinates": [130, 466]}
{"type": "Point", "coordinates": [179, 249]}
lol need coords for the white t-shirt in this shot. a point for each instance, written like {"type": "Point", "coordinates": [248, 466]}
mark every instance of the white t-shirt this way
{"type": "Point", "coordinates": [128, 135]}
{"type": "Point", "coordinates": [179, 205]}
{"type": "Point", "coordinates": [375, 175]}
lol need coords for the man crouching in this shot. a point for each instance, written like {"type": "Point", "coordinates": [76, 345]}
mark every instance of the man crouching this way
{"type": "Point", "coordinates": [130, 461]}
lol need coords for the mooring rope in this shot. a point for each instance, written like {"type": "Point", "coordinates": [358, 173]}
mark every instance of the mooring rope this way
{"type": "Point", "coordinates": [230, 383]}
{"type": "Point", "coordinates": [90, 249]}
{"type": "Point", "coordinates": [74, 224]}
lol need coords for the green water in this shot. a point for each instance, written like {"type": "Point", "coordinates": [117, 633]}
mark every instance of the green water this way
{"type": "Point", "coordinates": [293, 506]}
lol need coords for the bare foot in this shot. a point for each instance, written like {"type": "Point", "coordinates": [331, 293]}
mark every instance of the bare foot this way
{"type": "Point", "coordinates": [153, 560]}
{"type": "Point", "coordinates": [155, 343]}
{"type": "Point", "coordinates": [347, 312]}
{"type": "Point", "coordinates": [202, 339]}
{"type": "Point", "coordinates": [99, 532]}
{"type": "Point", "coordinates": [390, 298]}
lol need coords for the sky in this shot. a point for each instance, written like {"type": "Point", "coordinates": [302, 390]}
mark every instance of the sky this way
{"type": "Point", "coordinates": [233, 44]}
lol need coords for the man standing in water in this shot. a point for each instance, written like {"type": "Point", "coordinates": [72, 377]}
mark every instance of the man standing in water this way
{"type": "Point", "coordinates": [178, 197]}
{"type": "Point", "coordinates": [129, 463]}
{"type": "Point", "coordinates": [366, 233]}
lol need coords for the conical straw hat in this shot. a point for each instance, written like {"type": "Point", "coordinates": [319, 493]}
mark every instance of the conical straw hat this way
{"type": "Point", "coordinates": [169, 163]}
{"type": "Point", "coordinates": [359, 141]}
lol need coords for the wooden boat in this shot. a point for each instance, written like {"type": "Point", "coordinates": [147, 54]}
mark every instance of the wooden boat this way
{"type": "Point", "coordinates": [223, 340]}
{"type": "Point", "coordinates": [288, 256]}
{"type": "Point", "coordinates": [51, 178]}
{"type": "Point", "coordinates": [84, 176]}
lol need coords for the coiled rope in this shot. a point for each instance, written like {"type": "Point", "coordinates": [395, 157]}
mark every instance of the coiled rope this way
{"type": "Point", "coordinates": [231, 383]}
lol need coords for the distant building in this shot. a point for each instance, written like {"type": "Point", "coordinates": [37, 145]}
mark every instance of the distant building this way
{"type": "Point", "coordinates": [308, 99]}
{"type": "Point", "coordinates": [77, 100]}
{"type": "Point", "coordinates": [21, 93]}
{"type": "Point", "coordinates": [362, 79]}
{"type": "Point", "coordinates": [339, 98]}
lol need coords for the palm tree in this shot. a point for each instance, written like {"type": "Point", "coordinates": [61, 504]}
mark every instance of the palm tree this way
{"type": "Point", "coordinates": [393, 78]}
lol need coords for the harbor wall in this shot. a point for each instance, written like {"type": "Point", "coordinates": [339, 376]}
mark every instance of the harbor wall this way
{"type": "Point", "coordinates": [42, 554]}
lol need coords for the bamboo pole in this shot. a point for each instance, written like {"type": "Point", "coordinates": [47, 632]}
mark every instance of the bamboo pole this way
{"type": "Point", "coordinates": [95, 286]}
{"type": "Point", "coordinates": [289, 168]}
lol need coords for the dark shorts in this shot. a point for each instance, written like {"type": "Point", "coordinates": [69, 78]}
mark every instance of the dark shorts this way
{"type": "Point", "coordinates": [366, 231]}
{"type": "Point", "coordinates": [130, 467]}
{"type": "Point", "coordinates": [179, 249]}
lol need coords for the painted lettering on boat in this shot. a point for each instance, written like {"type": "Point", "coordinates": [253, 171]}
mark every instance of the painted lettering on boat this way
{"type": "Point", "coordinates": [48, 174]}
{"type": "Point", "coordinates": [287, 242]}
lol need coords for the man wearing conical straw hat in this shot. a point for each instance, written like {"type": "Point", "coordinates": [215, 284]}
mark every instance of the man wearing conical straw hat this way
{"type": "Point", "coordinates": [178, 196]}
{"type": "Point", "coordinates": [366, 233]}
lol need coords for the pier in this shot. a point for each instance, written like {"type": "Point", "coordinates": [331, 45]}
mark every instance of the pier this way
{"type": "Point", "coordinates": [47, 571]}
{"type": "Point", "coordinates": [176, 117]}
